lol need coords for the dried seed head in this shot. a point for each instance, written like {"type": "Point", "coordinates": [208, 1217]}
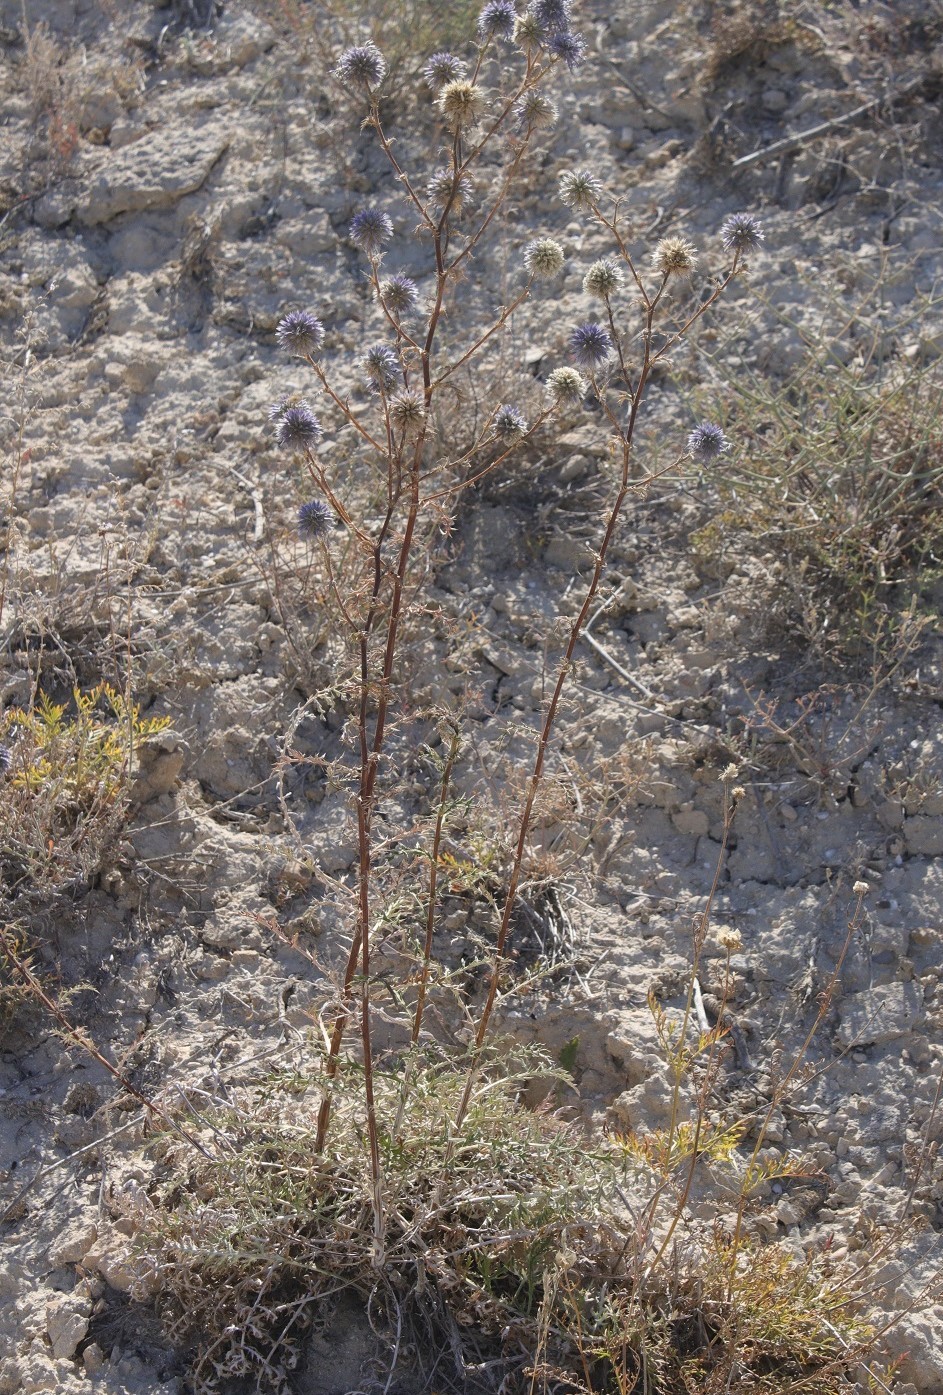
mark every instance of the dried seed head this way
{"type": "Point", "coordinates": [408, 412]}
{"type": "Point", "coordinates": [861, 888]}
{"type": "Point", "coordinates": [399, 294]}
{"type": "Point", "coordinates": [707, 441]}
{"type": "Point", "coordinates": [460, 103]}
{"type": "Point", "coordinates": [315, 519]}
{"type": "Point", "coordinates": [543, 257]}
{"type": "Point", "coordinates": [731, 940]}
{"type": "Point", "coordinates": [529, 33]}
{"type": "Point", "coordinates": [674, 256]}
{"type": "Point", "coordinates": [580, 190]}
{"type": "Point", "coordinates": [534, 111]}
{"type": "Point", "coordinates": [300, 333]}
{"type": "Point", "coordinates": [603, 279]}
{"type": "Point", "coordinates": [566, 387]}
{"type": "Point", "coordinates": [741, 232]}
{"type": "Point", "coordinates": [363, 65]}
{"type": "Point", "coordinates": [443, 190]}
{"type": "Point", "coordinates": [371, 230]}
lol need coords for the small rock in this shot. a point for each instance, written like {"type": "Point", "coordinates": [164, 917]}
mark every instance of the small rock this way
{"type": "Point", "coordinates": [880, 1014]}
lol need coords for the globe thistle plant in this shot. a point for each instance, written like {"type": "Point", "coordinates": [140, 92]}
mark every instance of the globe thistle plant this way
{"type": "Point", "coordinates": [460, 103]}
{"type": "Point", "coordinates": [543, 258]}
{"type": "Point", "coordinates": [300, 333]}
{"type": "Point", "coordinates": [297, 428]}
{"type": "Point", "coordinates": [741, 232]}
{"type": "Point", "coordinates": [674, 256]}
{"type": "Point", "coordinates": [707, 441]}
{"type": "Point", "coordinates": [408, 412]}
{"type": "Point", "coordinates": [371, 230]}
{"type": "Point", "coordinates": [509, 424]}
{"type": "Point", "coordinates": [315, 520]}
{"type": "Point", "coordinates": [566, 387]}
{"type": "Point", "coordinates": [362, 66]}
{"type": "Point", "coordinates": [603, 279]}
{"type": "Point", "coordinates": [570, 48]}
{"type": "Point", "coordinates": [381, 368]}
{"type": "Point", "coordinates": [580, 190]}
{"type": "Point", "coordinates": [443, 68]}
{"type": "Point", "coordinates": [399, 294]}
{"type": "Point", "coordinates": [445, 191]}
{"type": "Point", "coordinates": [497, 20]}
{"type": "Point", "coordinates": [590, 345]}
{"type": "Point", "coordinates": [534, 111]}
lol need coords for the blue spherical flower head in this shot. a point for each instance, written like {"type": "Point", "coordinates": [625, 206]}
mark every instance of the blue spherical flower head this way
{"type": "Point", "coordinates": [445, 191]}
{"type": "Point", "coordinates": [571, 48]}
{"type": "Point", "coordinates": [741, 232]}
{"type": "Point", "coordinates": [443, 68]}
{"type": "Point", "coordinates": [707, 442]}
{"type": "Point", "coordinates": [315, 520]}
{"type": "Point", "coordinates": [590, 345]}
{"type": "Point", "coordinates": [509, 424]}
{"type": "Point", "coordinates": [300, 333]}
{"type": "Point", "coordinates": [399, 294]}
{"type": "Point", "coordinates": [497, 20]}
{"type": "Point", "coordinates": [381, 368]}
{"type": "Point", "coordinates": [362, 65]}
{"type": "Point", "coordinates": [298, 429]}
{"type": "Point", "coordinates": [553, 15]}
{"type": "Point", "coordinates": [533, 111]}
{"type": "Point", "coordinates": [279, 408]}
{"type": "Point", "coordinates": [371, 230]}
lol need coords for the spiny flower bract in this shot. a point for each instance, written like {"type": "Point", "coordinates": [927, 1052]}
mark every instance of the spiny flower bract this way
{"type": "Point", "coordinates": [442, 68]}
{"type": "Point", "coordinates": [543, 257]}
{"type": "Point", "coordinates": [371, 230]}
{"type": "Point", "coordinates": [707, 441]}
{"type": "Point", "coordinates": [509, 424]}
{"type": "Point", "coordinates": [315, 519]}
{"type": "Point", "coordinates": [603, 278]}
{"type": "Point", "coordinates": [566, 387]}
{"type": "Point", "coordinates": [300, 333]}
{"type": "Point", "coordinates": [571, 48]}
{"type": "Point", "coordinates": [408, 412]}
{"type": "Point", "coordinates": [298, 428]}
{"type": "Point", "coordinates": [580, 189]}
{"type": "Point", "coordinates": [381, 368]}
{"type": "Point", "coordinates": [674, 256]}
{"type": "Point", "coordinates": [741, 232]}
{"type": "Point", "coordinates": [444, 190]}
{"type": "Point", "coordinates": [534, 110]}
{"type": "Point", "coordinates": [590, 345]}
{"type": "Point", "coordinates": [399, 294]}
{"type": "Point", "coordinates": [364, 63]}
{"type": "Point", "coordinates": [497, 19]}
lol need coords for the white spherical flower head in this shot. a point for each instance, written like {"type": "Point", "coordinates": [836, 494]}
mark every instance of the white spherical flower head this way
{"type": "Point", "coordinates": [543, 258]}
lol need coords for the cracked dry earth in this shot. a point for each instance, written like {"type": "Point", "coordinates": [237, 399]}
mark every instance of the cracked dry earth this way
{"type": "Point", "coordinates": [173, 181]}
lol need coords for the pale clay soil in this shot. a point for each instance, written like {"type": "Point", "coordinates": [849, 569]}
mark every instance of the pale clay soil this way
{"type": "Point", "coordinates": [206, 195]}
